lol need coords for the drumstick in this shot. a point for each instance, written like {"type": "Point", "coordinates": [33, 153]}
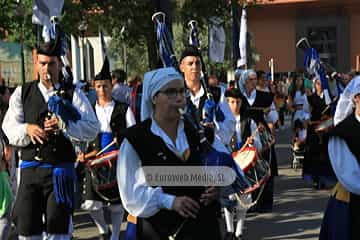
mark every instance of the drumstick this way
{"type": "Point", "coordinates": [327, 107]}
{"type": "Point", "coordinates": [106, 147]}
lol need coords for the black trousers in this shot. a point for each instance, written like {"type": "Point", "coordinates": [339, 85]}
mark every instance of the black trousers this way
{"type": "Point", "coordinates": [35, 199]}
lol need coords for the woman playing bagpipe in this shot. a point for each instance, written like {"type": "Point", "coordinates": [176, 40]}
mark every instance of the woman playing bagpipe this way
{"type": "Point", "coordinates": [113, 117]}
{"type": "Point", "coordinates": [316, 162]}
{"type": "Point", "coordinates": [165, 139]}
{"type": "Point", "coordinates": [42, 116]}
{"type": "Point", "coordinates": [257, 105]}
{"type": "Point", "coordinates": [342, 215]}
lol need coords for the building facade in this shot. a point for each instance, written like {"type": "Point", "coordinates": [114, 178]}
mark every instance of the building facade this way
{"type": "Point", "coordinates": [331, 27]}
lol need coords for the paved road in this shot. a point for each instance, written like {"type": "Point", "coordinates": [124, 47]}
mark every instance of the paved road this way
{"type": "Point", "coordinates": [298, 208]}
{"type": "Point", "coordinates": [297, 212]}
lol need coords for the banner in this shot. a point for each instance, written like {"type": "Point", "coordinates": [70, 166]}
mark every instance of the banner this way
{"type": "Point", "coordinates": [43, 10]}
{"type": "Point", "coordinates": [216, 40]}
{"type": "Point", "coordinates": [242, 39]}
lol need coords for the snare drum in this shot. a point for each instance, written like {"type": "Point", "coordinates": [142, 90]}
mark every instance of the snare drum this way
{"type": "Point", "coordinates": [256, 170]}
{"type": "Point", "coordinates": [103, 176]}
{"type": "Point", "coordinates": [324, 125]}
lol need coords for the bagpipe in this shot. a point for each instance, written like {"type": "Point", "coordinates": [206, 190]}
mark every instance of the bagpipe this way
{"type": "Point", "coordinates": [210, 156]}
{"type": "Point", "coordinates": [322, 70]}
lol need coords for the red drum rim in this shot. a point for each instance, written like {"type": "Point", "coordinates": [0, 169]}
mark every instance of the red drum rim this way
{"type": "Point", "coordinates": [105, 159]}
{"type": "Point", "coordinates": [250, 163]}
{"type": "Point", "coordinates": [257, 185]}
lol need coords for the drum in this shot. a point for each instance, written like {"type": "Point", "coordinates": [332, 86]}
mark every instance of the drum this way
{"type": "Point", "coordinates": [324, 125]}
{"type": "Point", "coordinates": [256, 170]}
{"type": "Point", "coordinates": [103, 175]}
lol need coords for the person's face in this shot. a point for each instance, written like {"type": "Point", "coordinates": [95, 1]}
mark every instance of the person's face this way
{"type": "Point", "coordinates": [213, 81]}
{"type": "Point", "coordinates": [250, 83]}
{"type": "Point", "coordinates": [103, 89]}
{"type": "Point", "coordinates": [345, 79]}
{"type": "Point", "coordinates": [299, 82]}
{"type": "Point", "coordinates": [191, 67]}
{"type": "Point", "coordinates": [357, 100]}
{"type": "Point", "coordinates": [262, 82]}
{"type": "Point", "coordinates": [169, 99]}
{"type": "Point", "coordinates": [318, 85]}
{"type": "Point", "coordinates": [48, 65]}
{"type": "Point", "coordinates": [235, 105]}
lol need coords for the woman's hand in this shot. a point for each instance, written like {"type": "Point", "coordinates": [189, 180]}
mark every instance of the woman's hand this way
{"type": "Point", "coordinates": [186, 207]}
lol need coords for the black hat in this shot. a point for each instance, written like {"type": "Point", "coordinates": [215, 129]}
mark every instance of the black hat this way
{"type": "Point", "coordinates": [51, 48]}
{"type": "Point", "coordinates": [190, 51]}
{"type": "Point", "coordinates": [233, 92]}
{"type": "Point", "coordinates": [104, 74]}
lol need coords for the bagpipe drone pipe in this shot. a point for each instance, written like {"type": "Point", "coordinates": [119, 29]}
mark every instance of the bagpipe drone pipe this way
{"type": "Point", "coordinates": [324, 71]}
{"type": "Point", "coordinates": [210, 156]}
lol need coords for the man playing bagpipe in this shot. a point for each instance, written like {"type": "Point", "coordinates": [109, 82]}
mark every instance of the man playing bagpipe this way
{"type": "Point", "coordinates": [190, 66]}
{"type": "Point", "coordinates": [342, 215]}
{"type": "Point", "coordinates": [43, 115]}
{"type": "Point", "coordinates": [245, 133]}
{"type": "Point", "coordinates": [257, 104]}
{"type": "Point", "coordinates": [113, 117]}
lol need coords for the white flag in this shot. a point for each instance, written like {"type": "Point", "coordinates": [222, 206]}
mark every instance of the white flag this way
{"type": "Point", "coordinates": [216, 40]}
{"type": "Point", "coordinates": [242, 39]}
{"type": "Point", "coordinates": [43, 10]}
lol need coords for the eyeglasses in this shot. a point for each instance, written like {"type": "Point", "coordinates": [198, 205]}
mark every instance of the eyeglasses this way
{"type": "Point", "coordinates": [174, 92]}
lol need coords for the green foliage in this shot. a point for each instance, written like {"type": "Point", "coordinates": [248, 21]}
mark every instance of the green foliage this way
{"type": "Point", "coordinates": [111, 16]}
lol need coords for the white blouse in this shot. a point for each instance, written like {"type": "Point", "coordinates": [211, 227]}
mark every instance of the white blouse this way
{"type": "Point", "coordinates": [138, 198]}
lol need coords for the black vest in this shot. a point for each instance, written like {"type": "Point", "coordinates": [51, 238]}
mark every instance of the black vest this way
{"type": "Point", "coordinates": [117, 124]}
{"type": "Point", "coordinates": [349, 130]}
{"type": "Point", "coordinates": [57, 149]}
{"type": "Point", "coordinates": [245, 133]}
{"type": "Point", "coordinates": [262, 100]}
{"type": "Point", "coordinates": [157, 154]}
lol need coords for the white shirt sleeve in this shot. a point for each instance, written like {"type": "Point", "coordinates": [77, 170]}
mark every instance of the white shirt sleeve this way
{"type": "Point", "coordinates": [138, 198]}
{"type": "Point", "coordinates": [345, 164]}
{"type": "Point", "coordinates": [87, 128]}
{"type": "Point", "coordinates": [13, 123]}
{"type": "Point", "coordinates": [130, 118]}
{"type": "Point", "coordinates": [224, 130]}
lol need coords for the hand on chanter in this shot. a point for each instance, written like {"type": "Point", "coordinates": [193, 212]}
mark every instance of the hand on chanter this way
{"type": "Point", "coordinates": [36, 133]}
{"type": "Point", "coordinates": [51, 125]}
{"type": "Point", "coordinates": [186, 207]}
